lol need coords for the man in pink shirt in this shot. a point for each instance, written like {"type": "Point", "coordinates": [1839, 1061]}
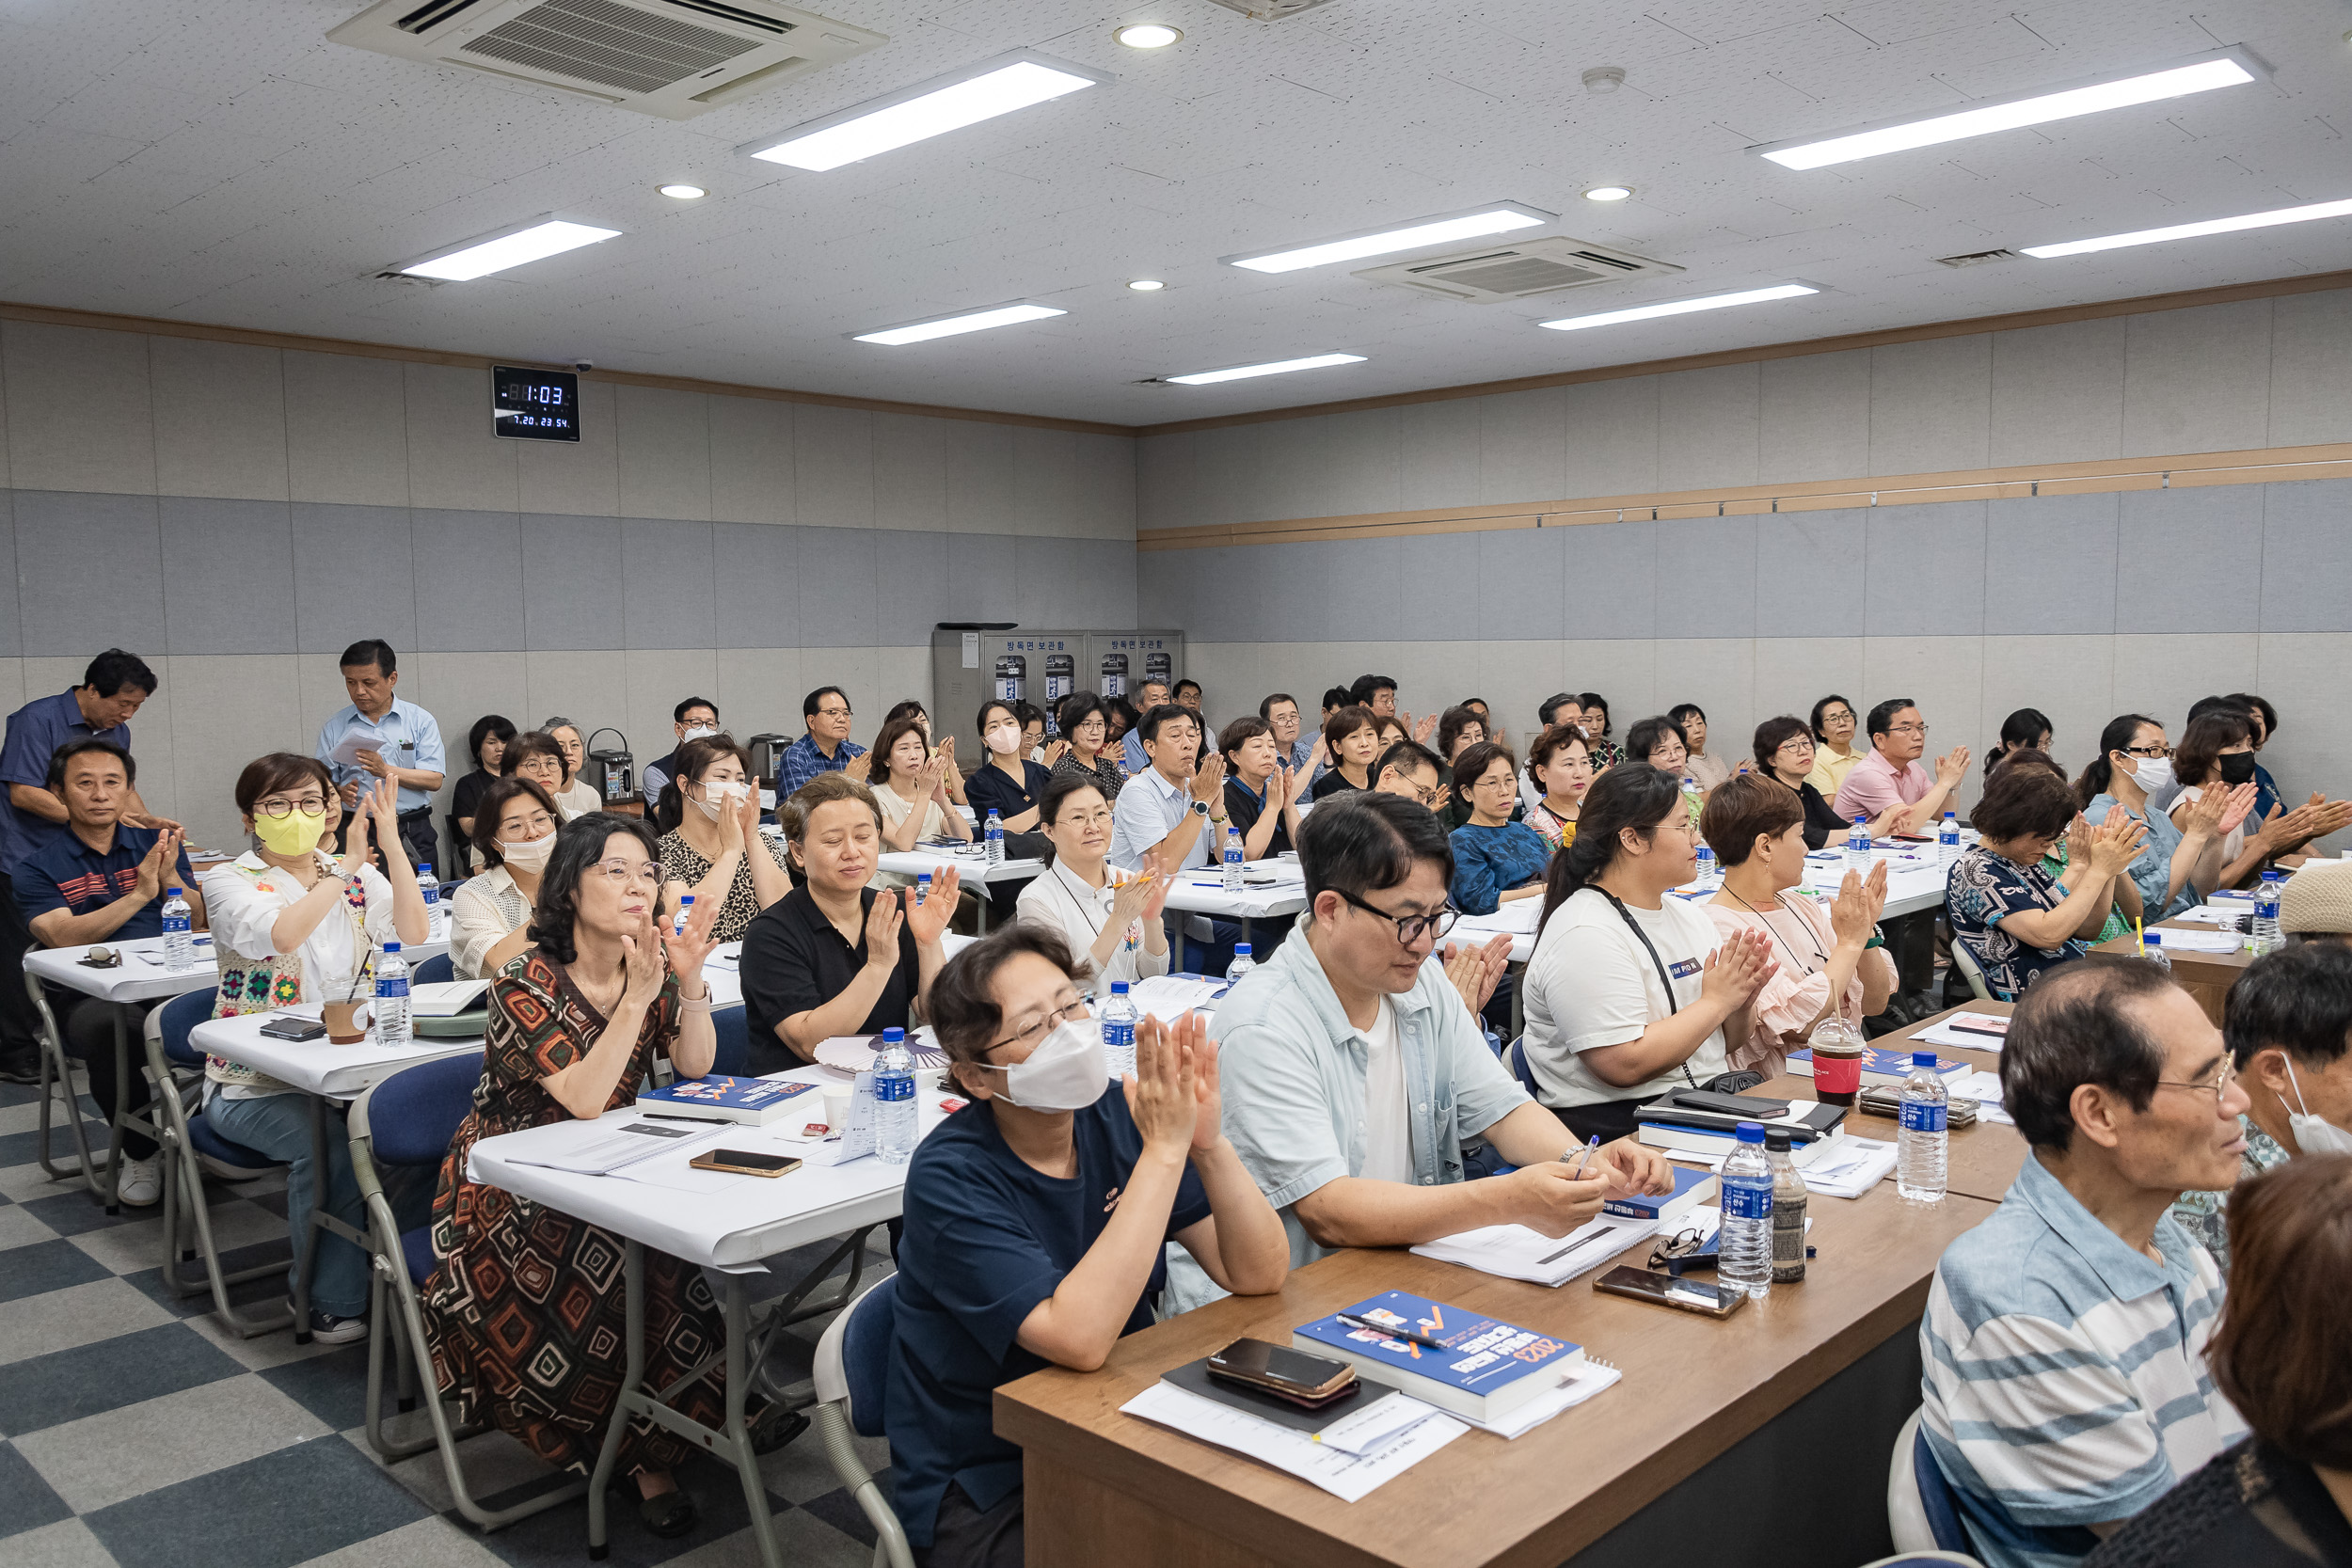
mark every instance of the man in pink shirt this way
{"type": "Point", "coordinates": [1891, 776]}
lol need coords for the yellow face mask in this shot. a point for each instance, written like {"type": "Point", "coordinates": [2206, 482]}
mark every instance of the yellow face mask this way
{"type": "Point", "coordinates": [294, 834]}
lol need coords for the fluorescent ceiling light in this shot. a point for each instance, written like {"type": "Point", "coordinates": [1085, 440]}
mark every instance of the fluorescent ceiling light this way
{"type": "Point", "coordinates": [1147, 285]}
{"type": "Point", "coordinates": [1682, 306]}
{"type": "Point", "coordinates": [2226, 67]}
{"type": "Point", "coordinates": [1279, 366]}
{"type": "Point", "coordinates": [2193, 230]}
{"type": "Point", "coordinates": [546, 237]}
{"type": "Point", "coordinates": [1500, 218]}
{"type": "Point", "coordinates": [1147, 34]}
{"type": "Point", "coordinates": [1607, 193]}
{"type": "Point", "coordinates": [963, 321]}
{"type": "Point", "coordinates": [950, 102]}
{"type": "Point", "coordinates": [682, 193]}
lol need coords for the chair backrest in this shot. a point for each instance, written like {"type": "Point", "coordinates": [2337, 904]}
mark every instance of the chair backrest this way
{"type": "Point", "coordinates": [1970, 970]}
{"type": "Point", "coordinates": [1519, 1069]}
{"type": "Point", "coordinates": [435, 970]}
{"type": "Point", "coordinates": [1922, 1513]}
{"type": "Point", "coordinates": [853, 1357]}
{"type": "Point", "coordinates": [412, 1116]}
{"type": "Point", "coordinates": [180, 1016]}
{"type": "Point", "coordinates": [735, 1047]}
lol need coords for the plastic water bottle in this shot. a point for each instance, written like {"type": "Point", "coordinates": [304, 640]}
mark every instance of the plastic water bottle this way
{"type": "Point", "coordinates": [430, 886]}
{"type": "Point", "coordinates": [1233, 859]}
{"type": "Point", "coordinates": [1119, 1032]}
{"type": "Point", "coordinates": [1920, 1146]}
{"type": "Point", "coordinates": [2153, 951]}
{"type": "Point", "coordinates": [1242, 963]}
{"type": "Point", "coordinates": [1858, 855]}
{"type": "Point", "coordinates": [2266, 934]}
{"type": "Point", "coordinates": [685, 913]}
{"type": "Point", "coordinates": [1746, 1263]}
{"type": "Point", "coordinates": [179, 946]}
{"type": "Point", "coordinates": [894, 1100]}
{"type": "Point", "coordinates": [995, 830]}
{"type": "Point", "coordinates": [391, 997]}
{"type": "Point", "coordinates": [1706, 866]}
{"type": "Point", "coordinates": [1948, 840]}
{"type": "Point", "coordinates": [922, 889]}
{"type": "Point", "coordinates": [1790, 1197]}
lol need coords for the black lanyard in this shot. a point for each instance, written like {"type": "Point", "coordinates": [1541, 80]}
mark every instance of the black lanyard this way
{"type": "Point", "coordinates": [1647, 947]}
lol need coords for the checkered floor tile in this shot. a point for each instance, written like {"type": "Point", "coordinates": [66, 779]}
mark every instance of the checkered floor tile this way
{"type": "Point", "coordinates": [135, 1432]}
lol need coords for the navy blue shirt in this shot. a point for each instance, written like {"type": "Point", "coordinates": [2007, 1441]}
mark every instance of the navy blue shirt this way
{"type": "Point", "coordinates": [35, 731]}
{"type": "Point", "coordinates": [992, 787]}
{"type": "Point", "coordinates": [987, 1239]}
{"type": "Point", "coordinates": [67, 874]}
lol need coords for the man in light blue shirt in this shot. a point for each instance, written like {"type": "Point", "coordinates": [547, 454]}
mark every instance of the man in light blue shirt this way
{"type": "Point", "coordinates": [1297, 751]}
{"type": "Point", "coordinates": [378, 735]}
{"type": "Point", "coordinates": [1154, 694]}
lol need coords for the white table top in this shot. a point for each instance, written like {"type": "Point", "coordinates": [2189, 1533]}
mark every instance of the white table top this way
{"type": "Point", "coordinates": [1202, 892]}
{"type": "Point", "coordinates": [337, 1072]}
{"type": "Point", "coordinates": [137, 980]}
{"type": "Point", "coordinates": [725, 1220]}
{"type": "Point", "coordinates": [974, 868]}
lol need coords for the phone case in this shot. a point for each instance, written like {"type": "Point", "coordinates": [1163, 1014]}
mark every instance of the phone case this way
{"type": "Point", "coordinates": [1635, 1283]}
{"type": "Point", "coordinates": [1288, 1393]}
{"type": "Point", "coordinates": [709, 1160]}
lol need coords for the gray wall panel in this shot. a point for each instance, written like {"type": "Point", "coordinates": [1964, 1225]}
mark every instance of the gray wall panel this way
{"type": "Point", "coordinates": [756, 595]}
{"type": "Point", "coordinates": [2050, 564]}
{"type": "Point", "coordinates": [89, 572]}
{"type": "Point", "coordinates": [666, 570]}
{"type": "Point", "coordinates": [471, 569]}
{"type": "Point", "coordinates": [1925, 570]}
{"type": "Point", "coordinates": [231, 566]}
{"type": "Point", "coordinates": [574, 595]}
{"type": "Point", "coordinates": [2307, 555]}
{"type": "Point", "coordinates": [342, 552]}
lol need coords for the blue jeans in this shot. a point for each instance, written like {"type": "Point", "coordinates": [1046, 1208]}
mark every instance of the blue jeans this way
{"type": "Point", "coordinates": [278, 1125]}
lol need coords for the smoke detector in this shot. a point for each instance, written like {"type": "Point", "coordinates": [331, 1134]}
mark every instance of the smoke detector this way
{"type": "Point", "coordinates": [674, 59]}
{"type": "Point", "coordinates": [1497, 273]}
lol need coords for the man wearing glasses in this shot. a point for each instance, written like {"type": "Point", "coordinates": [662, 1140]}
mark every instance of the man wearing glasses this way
{"type": "Point", "coordinates": [2064, 1341]}
{"type": "Point", "coordinates": [1888, 778]}
{"type": "Point", "coordinates": [826, 748]}
{"type": "Point", "coordinates": [1355, 1073]}
{"type": "Point", "coordinates": [1410, 771]}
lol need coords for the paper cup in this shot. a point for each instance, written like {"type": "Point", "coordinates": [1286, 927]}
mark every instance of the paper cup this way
{"type": "Point", "coordinates": [1836, 1076]}
{"type": "Point", "coordinates": [837, 1106]}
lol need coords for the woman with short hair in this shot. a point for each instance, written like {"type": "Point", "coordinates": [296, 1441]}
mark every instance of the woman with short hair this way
{"type": "Point", "coordinates": [487, 742]}
{"type": "Point", "coordinates": [1496, 861]}
{"type": "Point", "coordinates": [1351, 737]}
{"type": "Point", "coordinates": [1007, 783]}
{"type": "Point", "coordinates": [490, 916]}
{"type": "Point", "coordinates": [2015, 919]}
{"type": "Point", "coordinates": [578, 797]}
{"type": "Point", "coordinates": [1709, 770]}
{"type": "Point", "coordinates": [538, 756]}
{"type": "Point", "coordinates": [1835, 754]}
{"type": "Point", "coordinates": [1561, 765]}
{"type": "Point", "coordinates": [1112, 924]}
{"type": "Point", "coordinates": [2217, 752]}
{"type": "Point", "coordinates": [1261, 795]}
{"type": "Point", "coordinates": [1458, 726]}
{"type": "Point", "coordinates": [2123, 910]}
{"type": "Point", "coordinates": [1607, 753]}
{"type": "Point", "coordinates": [909, 782]}
{"type": "Point", "coordinates": [1086, 723]}
{"type": "Point", "coordinates": [711, 846]}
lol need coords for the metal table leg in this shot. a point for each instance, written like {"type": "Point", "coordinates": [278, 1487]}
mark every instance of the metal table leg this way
{"type": "Point", "coordinates": [121, 1109]}
{"type": "Point", "coordinates": [633, 1360]}
{"type": "Point", "coordinates": [307, 1245]}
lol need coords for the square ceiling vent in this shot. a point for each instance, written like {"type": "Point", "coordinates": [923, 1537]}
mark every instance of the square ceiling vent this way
{"type": "Point", "coordinates": [674, 58]}
{"type": "Point", "coordinates": [1516, 271]}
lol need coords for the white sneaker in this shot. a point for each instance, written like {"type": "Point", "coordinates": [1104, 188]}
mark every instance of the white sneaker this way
{"type": "Point", "coordinates": [141, 1183]}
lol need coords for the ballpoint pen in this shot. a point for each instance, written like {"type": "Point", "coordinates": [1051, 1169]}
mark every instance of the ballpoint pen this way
{"type": "Point", "coordinates": [1405, 1333]}
{"type": "Point", "coordinates": [1583, 1158]}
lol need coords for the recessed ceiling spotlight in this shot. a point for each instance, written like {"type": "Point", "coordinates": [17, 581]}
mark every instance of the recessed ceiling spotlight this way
{"type": "Point", "coordinates": [1147, 34]}
{"type": "Point", "coordinates": [1278, 367]}
{"type": "Point", "coordinates": [932, 108]}
{"type": "Point", "coordinates": [1604, 78]}
{"type": "Point", "coordinates": [2223, 67]}
{"type": "Point", "coordinates": [1681, 306]}
{"type": "Point", "coordinates": [1607, 193]}
{"type": "Point", "coordinates": [531, 242]}
{"type": "Point", "coordinates": [2194, 230]}
{"type": "Point", "coordinates": [961, 321]}
{"type": "Point", "coordinates": [682, 193]}
{"type": "Point", "coordinates": [1500, 218]}
{"type": "Point", "coordinates": [1147, 285]}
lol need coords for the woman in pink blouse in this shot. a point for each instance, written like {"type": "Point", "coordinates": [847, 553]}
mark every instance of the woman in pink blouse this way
{"type": "Point", "coordinates": [1757, 830]}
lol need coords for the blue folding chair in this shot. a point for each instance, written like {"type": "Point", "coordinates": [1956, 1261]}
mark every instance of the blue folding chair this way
{"type": "Point", "coordinates": [1519, 1069]}
{"type": "Point", "coordinates": [735, 1047]}
{"type": "Point", "coordinates": [1922, 1513]}
{"type": "Point", "coordinates": [853, 1366]}
{"type": "Point", "coordinates": [408, 1120]}
{"type": "Point", "coordinates": [435, 970]}
{"type": "Point", "coordinates": [190, 1146]}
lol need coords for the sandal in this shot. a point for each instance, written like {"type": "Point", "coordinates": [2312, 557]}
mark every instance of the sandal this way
{"type": "Point", "coordinates": [774, 1427]}
{"type": "Point", "coordinates": [668, 1514]}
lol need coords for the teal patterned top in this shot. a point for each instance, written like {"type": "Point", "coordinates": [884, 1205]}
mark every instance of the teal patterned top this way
{"type": "Point", "coordinates": [2207, 1214]}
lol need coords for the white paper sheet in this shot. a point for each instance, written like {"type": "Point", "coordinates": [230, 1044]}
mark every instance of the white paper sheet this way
{"type": "Point", "coordinates": [1943, 1033]}
{"type": "Point", "coordinates": [1851, 1169]}
{"type": "Point", "coordinates": [615, 1148]}
{"type": "Point", "coordinates": [1168, 997]}
{"type": "Point", "coordinates": [2175, 941]}
{"type": "Point", "coordinates": [1518, 917]}
{"type": "Point", "coordinates": [1985, 1089]}
{"type": "Point", "coordinates": [1582, 1384]}
{"type": "Point", "coordinates": [1375, 1424]}
{"type": "Point", "coordinates": [1517, 1252]}
{"type": "Point", "coordinates": [1347, 1477]}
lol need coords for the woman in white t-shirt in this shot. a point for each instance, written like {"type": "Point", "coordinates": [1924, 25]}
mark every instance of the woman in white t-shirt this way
{"type": "Point", "coordinates": [1629, 996]}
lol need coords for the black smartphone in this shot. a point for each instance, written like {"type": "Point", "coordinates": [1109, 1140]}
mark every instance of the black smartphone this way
{"type": "Point", "coordinates": [1688, 1295]}
{"type": "Point", "coordinates": [285, 1028]}
{"type": "Point", "coordinates": [1290, 1375]}
{"type": "Point", "coordinates": [743, 1162]}
{"type": "Point", "coordinates": [1729, 1104]}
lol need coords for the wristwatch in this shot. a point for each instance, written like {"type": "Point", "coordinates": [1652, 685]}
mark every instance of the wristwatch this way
{"type": "Point", "coordinates": [1200, 808]}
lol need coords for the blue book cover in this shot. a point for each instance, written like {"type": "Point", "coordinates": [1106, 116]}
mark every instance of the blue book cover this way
{"type": "Point", "coordinates": [754, 1101]}
{"type": "Point", "coordinates": [1886, 1067]}
{"type": "Point", "coordinates": [1692, 1188]}
{"type": "Point", "coordinates": [1487, 1367]}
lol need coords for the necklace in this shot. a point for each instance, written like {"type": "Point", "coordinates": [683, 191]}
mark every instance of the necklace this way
{"type": "Point", "coordinates": [1809, 937]}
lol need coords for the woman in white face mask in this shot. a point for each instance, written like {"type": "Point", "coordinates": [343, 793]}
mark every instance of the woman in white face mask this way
{"type": "Point", "coordinates": [711, 846]}
{"type": "Point", "coordinates": [1007, 783]}
{"type": "Point", "coordinates": [2289, 1029]}
{"type": "Point", "coordinates": [515, 823]}
{"type": "Point", "coordinates": [1037, 1218]}
{"type": "Point", "coordinates": [2182, 860]}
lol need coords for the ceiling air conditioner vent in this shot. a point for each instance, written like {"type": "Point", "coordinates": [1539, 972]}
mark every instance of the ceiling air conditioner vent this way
{"type": "Point", "coordinates": [1977, 258]}
{"type": "Point", "coordinates": [674, 58]}
{"type": "Point", "coordinates": [1516, 270]}
{"type": "Point", "coordinates": [1269, 10]}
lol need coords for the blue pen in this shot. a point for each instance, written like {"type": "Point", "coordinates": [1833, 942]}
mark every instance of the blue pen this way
{"type": "Point", "coordinates": [1585, 1159]}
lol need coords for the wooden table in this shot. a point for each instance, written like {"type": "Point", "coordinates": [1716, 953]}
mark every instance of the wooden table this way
{"type": "Point", "coordinates": [1678, 1441]}
{"type": "Point", "coordinates": [2206, 976]}
{"type": "Point", "coordinates": [1984, 1158]}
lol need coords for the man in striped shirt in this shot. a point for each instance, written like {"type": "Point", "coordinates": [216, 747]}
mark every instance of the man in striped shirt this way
{"type": "Point", "coordinates": [2064, 1342]}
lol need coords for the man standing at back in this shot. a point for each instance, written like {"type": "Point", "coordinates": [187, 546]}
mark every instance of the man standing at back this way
{"type": "Point", "coordinates": [100, 708]}
{"type": "Point", "coordinates": [380, 736]}
{"type": "Point", "coordinates": [1891, 776]}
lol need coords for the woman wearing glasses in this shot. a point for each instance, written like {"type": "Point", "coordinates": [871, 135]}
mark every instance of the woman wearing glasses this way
{"type": "Point", "coordinates": [514, 835]}
{"type": "Point", "coordinates": [536, 755]}
{"type": "Point", "coordinates": [1785, 753]}
{"type": "Point", "coordinates": [1496, 861]}
{"type": "Point", "coordinates": [291, 924]}
{"type": "Point", "coordinates": [2016, 919]}
{"type": "Point", "coordinates": [1014, 1261]}
{"type": "Point", "coordinates": [2182, 860]}
{"type": "Point", "coordinates": [525, 1312]}
{"type": "Point", "coordinates": [1085, 723]}
{"type": "Point", "coordinates": [1113, 927]}
{"type": "Point", "coordinates": [1835, 752]}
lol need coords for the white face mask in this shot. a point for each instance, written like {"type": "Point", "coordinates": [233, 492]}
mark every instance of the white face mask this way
{"type": "Point", "coordinates": [1066, 1073]}
{"type": "Point", "coordinates": [696, 733]}
{"type": "Point", "coordinates": [2313, 1134]}
{"type": "Point", "coordinates": [2151, 773]}
{"type": "Point", "coordinates": [530, 855]}
{"type": "Point", "coordinates": [719, 797]}
{"type": "Point", "coordinates": [1003, 740]}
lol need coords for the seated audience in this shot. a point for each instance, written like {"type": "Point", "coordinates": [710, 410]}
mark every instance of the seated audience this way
{"type": "Point", "coordinates": [2027, 729]}
{"type": "Point", "coordinates": [1123, 718]}
{"type": "Point", "coordinates": [1261, 795]}
{"type": "Point", "coordinates": [1560, 765]}
{"type": "Point", "coordinates": [1375, 694]}
{"type": "Point", "coordinates": [1150, 694]}
{"type": "Point", "coordinates": [2281, 1498]}
{"type": "Point", "coordinates": [1657, 741]}
{"type": "Point", "coordinates": [1830, 960]}
{"type": "Point", "coordinates": [1709, 771]}
{"type": "Point", "coordinates": [1007, 783]}
{"type": "Point", "coordinates": [2015, 919]}
{"type": "Point", "coordinates": [1391, 731]}
{"type": "Point", "coordinates": [1410, 771]}
{"type": "Point", "coordinates": [2317, 904]}
{"type": "Point", "coordinates": [103, 880]}
{"type": "Point", "coordinates": [1784, 754]}
{"type": "Point", "coordinates": [834, 956]}
{"type": "Point", "coordinates": [2162, 798]}
{"type": "Point", "coordinates": [1187, 694]}
{"type": "Point", "coordinates": [1009, 1262]}
{"type": "Point", "coordinates": [1034, 746]}
{"type": "Point", "coordinates": [1890, 779]}
{"type": "Point", "coordinates": [486, 743]}
{"type": "Point", "coordinates": [1356, 1073]}
{"type": "Point", "coordinates": [2266, 725]}
{"type": "Point", "coordinates": [2182, 860]}
{"type": "Point", "coordinates": [514, 835]}
{"type": "Point", "coordinates": [908, 707]}
{"type": "Point", "coordinates": [826, 748]}
{"type": "Point", "coordinates": [1300, 753]}
{"type": "Point", "coordinates": [2218, 754]}
{"type": "Point", "coordinates": [290, 926]}
{"type": "Point", "coordinates": [1607, 753]}
{"type": "Point", "coordinates": [710, 844]}
{"type": "Point", "coordinates": [1835, 752]}
{"type": "Point", "coordinates": [1457, 727]}
{"type": "Point", "coordinates": [1086, 723]}
{"type": "Point", "coordinates": [2064, 1342]}
{"type": "Point", "coordinates": [909, 783]}
{"type": "Point", "coordinates": [536, 755]}
{"type": "Point", "coordinates": [944, 745]}
{"type": "Point", "coordinates": [1351, 738]}
{"type": "Point", "coordinates": [1496, 861]}
{"type": "Point", "coordinates": [1112, 923]}
{"type": "Point", "coordinates": [691, 719]}
{"type": "Point", "coordinates": [525, 1312]}
{"type": "Point", "coordinates": [2124, 909]}
{"type": "Point", "coordinates": [1629, 994]}
{"type": "Point", "coordinates": [578, 797]}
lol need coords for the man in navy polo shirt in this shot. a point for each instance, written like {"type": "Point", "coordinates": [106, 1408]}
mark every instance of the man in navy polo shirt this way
{"type": "Point", "coordinates": [102, 879]}
{"type": "Point", "coordinates": [100, 708]}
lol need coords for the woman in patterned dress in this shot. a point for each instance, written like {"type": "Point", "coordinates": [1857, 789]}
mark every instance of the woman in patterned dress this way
{"type": "Point", "coordinates": [526, 1314]}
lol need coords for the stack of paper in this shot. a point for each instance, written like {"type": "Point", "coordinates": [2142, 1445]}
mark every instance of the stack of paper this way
{"type": "Point", "coordinates": [1976, 1031]}
{"type": "Point", "coordinates": [1518, 917]}
{"type": "Point", "coordinates": [1347, 1476]}
{"type": "Point", "coordinates": [2175, 941]}
{"type": "Point", "coordinates": [1516, 1252]}
{"type": "Point", "coordinates": [1985, 1089]}
{"type": "Point", "coordinates": [1169, 997]}
{"type": "Point", "coordinates": [1851, 1168]}
{"type": "Point", "coordinates": [608, 1148]}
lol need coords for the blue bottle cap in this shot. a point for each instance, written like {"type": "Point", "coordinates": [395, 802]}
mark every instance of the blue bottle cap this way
{"type": "Point", "coordinates": [1923, 1058]}
{"type": "Point", "coordinates": [1861, 821]}
{"type": "Point", "coordinates": [2156, 939]}
{"type": "Point", "coordinates": [893, 1036]}
{"type": "Point", "coordinates": [1119, 988]}
{"type": "Point", "coordinates": [425, 868]}
{"type": "Point", "coordinates": [392, 947]}
{"type": "Point", "coordinates": [1751, 1132]}
{"type": "Point", "coordinates": [174, 892]}
{"type": "Point", "coordinates": [1241, 949]}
